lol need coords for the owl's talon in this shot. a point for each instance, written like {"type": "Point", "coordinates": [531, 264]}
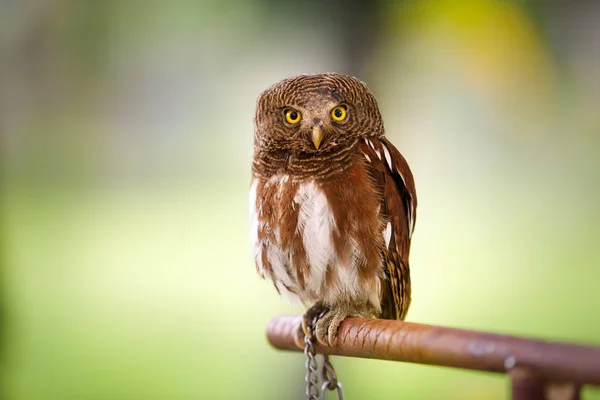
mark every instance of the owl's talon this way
{"type": "Point", "coordinates": [334, 327]}
{"type": "Point", "coordinates": [300, 334]}
{"type": "Point", "coordinates": [305, 326]}
{"type": "Point", "coordinates": [311, 315]}
{"type": "Point", "coordinates": [328, 325]}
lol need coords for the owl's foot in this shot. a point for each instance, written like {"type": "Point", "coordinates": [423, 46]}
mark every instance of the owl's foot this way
{"type": "Point", "coordinates": [325, 321]}
{"type": "Point", "coordinates": [309, 319]}
{"type": "Point", "coordinates": [329, 323]}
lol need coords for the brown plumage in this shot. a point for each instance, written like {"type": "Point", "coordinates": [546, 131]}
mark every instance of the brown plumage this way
{"type": "Point", "coordinates": [332, 201]}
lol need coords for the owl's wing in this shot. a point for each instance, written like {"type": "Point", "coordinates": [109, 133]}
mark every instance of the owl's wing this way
{"type": "Point", "coordinates": [395, 182]}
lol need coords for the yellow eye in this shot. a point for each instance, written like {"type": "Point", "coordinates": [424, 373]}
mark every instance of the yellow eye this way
{"type": "Point", "coordinates": [339, 113]}
{"type": "Point", "coordinates": [292, 116]}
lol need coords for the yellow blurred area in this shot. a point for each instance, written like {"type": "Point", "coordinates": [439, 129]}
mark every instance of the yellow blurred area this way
{"type": "Point", "coordinates": [492, 45]}
{"type": "Point", "coordinates": [126, 140]}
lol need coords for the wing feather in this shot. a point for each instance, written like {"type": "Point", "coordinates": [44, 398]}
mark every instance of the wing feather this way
{"type": "Point", "coordinates": [395, 182]}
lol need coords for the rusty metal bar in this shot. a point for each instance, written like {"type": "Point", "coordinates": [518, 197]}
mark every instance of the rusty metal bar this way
{"type": "Point", "coordinates": [435, 345]}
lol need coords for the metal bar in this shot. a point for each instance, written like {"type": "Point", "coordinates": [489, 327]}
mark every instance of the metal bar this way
{"type": "Point", "coordinates": [434, 345]}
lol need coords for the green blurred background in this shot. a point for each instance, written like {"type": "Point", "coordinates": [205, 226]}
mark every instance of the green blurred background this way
{"type": "Point", "coordinates": [126, 139]}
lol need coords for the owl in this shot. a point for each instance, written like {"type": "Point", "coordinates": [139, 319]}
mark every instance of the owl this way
{"type": "Point", "coordinates": [332, 202]}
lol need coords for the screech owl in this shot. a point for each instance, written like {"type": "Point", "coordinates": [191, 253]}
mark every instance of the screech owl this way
{"type": "Point", "coordinates": [332, 202]}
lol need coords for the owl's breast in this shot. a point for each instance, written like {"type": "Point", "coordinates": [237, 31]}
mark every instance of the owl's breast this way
{"type": "Point", "coordinates": [311, 241]}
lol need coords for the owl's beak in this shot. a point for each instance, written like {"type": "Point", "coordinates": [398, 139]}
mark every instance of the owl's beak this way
{"type": "Point", "coordinates": [317, 136]}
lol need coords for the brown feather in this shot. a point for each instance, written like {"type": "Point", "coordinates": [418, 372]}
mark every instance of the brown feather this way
{"type": "Point", "coordinates": [395, 182]}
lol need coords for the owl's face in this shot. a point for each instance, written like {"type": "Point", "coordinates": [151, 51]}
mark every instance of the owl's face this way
{"type": "Point", "coordinates": [312, 114]}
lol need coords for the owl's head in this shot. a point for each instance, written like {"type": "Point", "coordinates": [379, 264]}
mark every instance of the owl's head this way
{"type": "Point", "coordinates": [312, 114]}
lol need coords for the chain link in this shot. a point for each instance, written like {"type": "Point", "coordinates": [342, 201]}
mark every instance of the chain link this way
{"type": "Point", "coordinates": [311, 378]}
{"type": "Point", "coordinates": [329, 378]}
{"type": "Point", "coordinates": [328, 375]}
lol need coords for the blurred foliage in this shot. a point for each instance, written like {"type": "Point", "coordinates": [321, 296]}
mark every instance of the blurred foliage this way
{"type": "Point", "coordinates": [126, 138]}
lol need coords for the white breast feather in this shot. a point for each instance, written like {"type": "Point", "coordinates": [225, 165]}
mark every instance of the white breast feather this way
{"type": "Point", "coordinates": [346, 284]}
{"type": "Point", "coordinates": [279, 259]}
{"type": "Point", "coordinates": [315, 222]}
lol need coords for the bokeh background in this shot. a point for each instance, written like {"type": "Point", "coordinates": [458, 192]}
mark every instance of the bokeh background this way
{"type": "Point", "coordinates": [126, 139]}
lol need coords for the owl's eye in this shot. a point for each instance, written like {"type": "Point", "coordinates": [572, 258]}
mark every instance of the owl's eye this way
{"type": "Point", "coordinates": [339, 113]}
{"type": "Point", "coordinates": [292, 116]}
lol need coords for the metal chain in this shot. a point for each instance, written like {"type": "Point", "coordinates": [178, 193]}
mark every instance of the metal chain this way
{"type": "Point", "coordinates": [328, 375]}
{"type": "Point", "coordinates": [329, 378]}
{"type": "Point", "coordinates": [311, 378]}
